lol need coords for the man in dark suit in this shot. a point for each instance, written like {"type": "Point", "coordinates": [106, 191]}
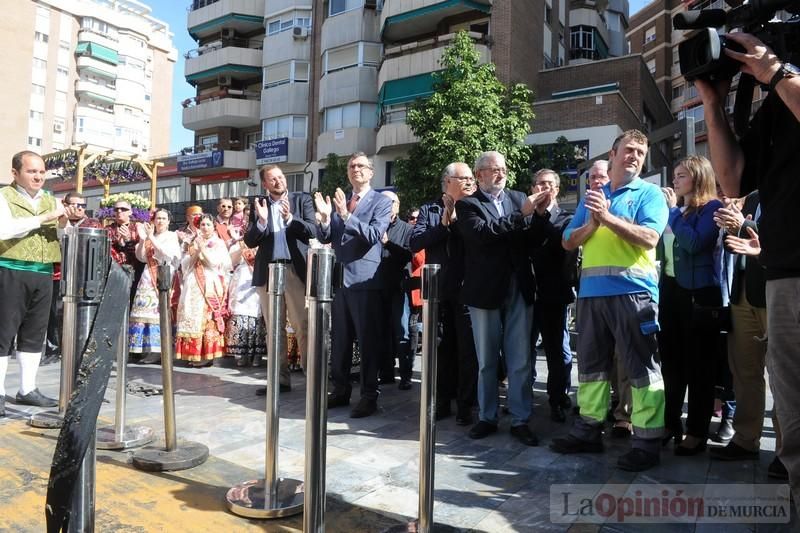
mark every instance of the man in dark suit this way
{"type": "Point", "coordinates": [499, 289]}
{"type": "Point", "coordinates": [556, 272]}
{"type": "Point", "coordinates": [355, 225]}
{"type": "Point", "coordinates": [437, 233]}
{"type": "Point", "coordinates": [280, 226]}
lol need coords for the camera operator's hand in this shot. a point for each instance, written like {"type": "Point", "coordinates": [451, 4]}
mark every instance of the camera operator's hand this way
{"type": "Point", "coordinates": [712, 94]}
{"type": "Point", "coordinates": [759, 60]}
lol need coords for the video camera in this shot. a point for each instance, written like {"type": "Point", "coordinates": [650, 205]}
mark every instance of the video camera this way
{"type": "Point", "coordinates": [702, 55]}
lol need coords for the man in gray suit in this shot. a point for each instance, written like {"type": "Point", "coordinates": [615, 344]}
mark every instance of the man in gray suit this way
{"type": "Point", "coordinates": [354, 225]}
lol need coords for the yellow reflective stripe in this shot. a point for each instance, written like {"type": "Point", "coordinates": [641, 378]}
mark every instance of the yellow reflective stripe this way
{"type": "Point", "coordinates": [648, 406]}
{"type": "Point", "coordinates": [593, 399]}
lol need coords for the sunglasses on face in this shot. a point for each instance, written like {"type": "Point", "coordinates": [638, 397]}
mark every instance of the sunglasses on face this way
{"type": "Point", "coordinates": [79, 206]}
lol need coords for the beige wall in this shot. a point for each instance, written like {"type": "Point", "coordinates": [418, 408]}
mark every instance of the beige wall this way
{"type": "Point", "coordinates": [161, 103]}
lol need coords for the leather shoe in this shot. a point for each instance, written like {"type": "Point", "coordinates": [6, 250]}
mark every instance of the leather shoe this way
{"type": "Point", "coordinates": [482, 429]}
{"type": "Point", "coordinates": [725, 431]}
{"type": "Point", "coordinates": [557, 413]}
{"type": "Point", "coordinates": [464, 416]}
{"type": "Point", "coordinates": [620, 432]}
{"type": "Point", "coordinates": [36, 398]}
{"type": "Point", "coordinates": [572, 444]}
{"type": "Point", "coordinates": [151, 359]}
{"type": "Point", "coordinates": [637, 460]}
{"type": "Point", "coordinates": [338, 400]}
{"type": "Point", "coordinates": [524, 434]}
{"type": "Point", "coordinates": [405, 384]}
{"type": "Point", "coordinates": [776, 470]}
{"type": "Point", "coordinates": [442, 410]}
{"type": "Point", "coordinates": [262, 391]}
{"type": "Point", "coordinates": [733, 452]}
{"type": "Point", "coordinates": [364, 408]}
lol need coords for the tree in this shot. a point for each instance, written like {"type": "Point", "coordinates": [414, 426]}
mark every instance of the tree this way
{"type": "Point", "coordinates": [559, 157]}
{"type": "Point", "coordinates": [470, 112]}
{"type": "Point", "coordinates": [335, 175]}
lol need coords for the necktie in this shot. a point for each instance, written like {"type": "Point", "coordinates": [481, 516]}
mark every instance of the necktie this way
{"type": "Point", "coordinates": [351, 205]}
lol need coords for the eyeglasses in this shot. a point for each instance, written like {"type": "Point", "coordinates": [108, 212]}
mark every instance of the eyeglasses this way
{"type": "Point", "coordinates": [226, 207]}
{"type": "Point", "coordinates": [121, 209]}
{"type": "Point", "coordinates": [358, 166]}
{"type": "Point", "coordinates": [496, 170]}
{"type": "Point", "coordinates": [79, 206]}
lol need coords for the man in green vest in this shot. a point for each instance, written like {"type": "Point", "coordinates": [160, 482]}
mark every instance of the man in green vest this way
{"type": "Point", "coordinates": [28, 248]}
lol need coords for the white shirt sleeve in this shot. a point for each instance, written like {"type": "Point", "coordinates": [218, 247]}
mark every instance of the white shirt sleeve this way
{"type": "Point", "coordinates": [14, 228]}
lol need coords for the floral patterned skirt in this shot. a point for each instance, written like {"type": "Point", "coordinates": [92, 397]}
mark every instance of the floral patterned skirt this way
{"type": "Point", "coordinates": [246, 340]}
{"type": "Point", "coordinates": [144, 338]}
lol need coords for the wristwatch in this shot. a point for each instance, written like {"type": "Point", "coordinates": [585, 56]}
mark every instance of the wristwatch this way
{"type": "Point", "coordinates": [787, 70]}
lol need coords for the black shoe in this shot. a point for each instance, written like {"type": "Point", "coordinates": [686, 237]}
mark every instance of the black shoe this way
{"type": "Point", "coordinates": [386, 380]}
{"type": "Point", "coordinates": [50, 358]}
{"type": "Point", "coordinates": [620, 432]}
{"type": "Point", "coordinates": [338, 400]}
{"type": "Point", "coordinates": [524, 434]}
{"type": "Point", "coordinates": [571, 444]}
{"type": "Point", "coordinates": [405, 384]}
{"type": "Point", "coordinates": [686, 451]}
{"type": "Point", "coordinates": [36, 399]}
{"type": "Point", "coordinates": [151, 359]}
{"type": "Point", "coordinates": [566, 402]}
{"type": "Point", "coordinates": [671, 436]}
{"type": "Point", "coordinates": [482, 430]}
{"type": "Point", "coordinates": [364, 408]}
{"type": "Point", "coordinates": [637, 460]}
{"type": "Point", "coordinates": [725, 431]}
{"type": "Point", "coordinates": [733, 452]}
{"type": "Point", "coordinates": [464, 416]}
{"type": "Point", "coordinates": [262, 391]}
{"type": "Point", "coordinates": [776, 470]}
{"type": "Point", "coordinates": [557, 413]}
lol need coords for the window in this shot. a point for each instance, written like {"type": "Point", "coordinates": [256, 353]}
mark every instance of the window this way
{"type": "Point", "coordinates": [548, 13]}
{"type": "Point", "coordinates": [274, 27]}
{"type": "Point", "coordinates": [650, 35]}
{"type": "Point", "coordinates": [651, 66]}
{"type": "Point", "coordinates": [295, 182]}
{"type": "Point", "coordinates": [355, 55]}
{"type": "Point", "coordinates": [289, 126]}
{"type": "Point", "coordinates": [63, 45]}
{"type": "Point", "coordinates": [288, 21]}
{"type": "Point", "coordinates": [220, 189]}
{"type": "Point", "coordinates": [39, 63]}
{"type": "Point", "coordinates": [677, 92]}
{"type": "Point", "coordinates": [34, 141]}
{"type": "Point", "coordinates": [676, 58]}
{"type": "Point", "coordinates": [62, 72]}
{"type": "Point", "coordinates": [341, 6]}
{"type": "Point", "coordinates": [250, 139]}
{"type": "Point", "coordinates": [394, 113]}
{"type": "Point", "coordinates": [98, 26]}
{"type": "Point", "coordinates": [38, 116]}
{"type": "Point", "coordinates": [355, 115]}
{"type": "Point", "coordinates": [209, 140]}
{"type": "Point", "coordinates": [37, 89]}
{"type": "Point", "coordinates": [40, 37]}
{"type": "Point", "coordinates": [288, 72]}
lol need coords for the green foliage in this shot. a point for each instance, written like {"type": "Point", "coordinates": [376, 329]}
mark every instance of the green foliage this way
{"type": "Point", "coordinates": [335, 175]}
{"type": "Point", "coordinates": [559, 157]}
{"type": "Point", "coordinates": [470, 112]}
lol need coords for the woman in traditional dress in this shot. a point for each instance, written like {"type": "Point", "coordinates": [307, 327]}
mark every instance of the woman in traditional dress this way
{"type": "Point", "coordinates": [245, 334]}
{"type": "Point", "coordinates": [201, 308]}
{"type": "Point", "coordinates": [157, 246]}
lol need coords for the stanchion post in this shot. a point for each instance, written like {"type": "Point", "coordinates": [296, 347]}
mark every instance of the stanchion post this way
{"type": "Point", "coordinates": [273, 496]}
{"type": "Point", "coordinates": [174, 456]}
{"type": "Point", "coordinates": [319, 294]}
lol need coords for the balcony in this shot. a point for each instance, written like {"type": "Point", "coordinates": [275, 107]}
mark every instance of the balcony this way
{"type": "Point", "coordinates": [233, 61]}
{"type": "Point", "coordinates": [232, 111]}
{"type": "Point", "coordinates": [394, 135]}
{"type": "Point", "coordinates": [216, 162]}
{"type": "Point", "coordinates": [97, 51]}
{"type": "Point", "coordinates": [96, 67]}
{"type": "Point", "coordinates": [208, 17]}
{"type": "Point", "coordinates": [91, 36]}
{"type": "Point", "coordinates": [403, 20]}
{"type": "Point", "coordinates": [424, 56]}
{"type": "Point", "coordinates": [283, 100]}
{"type": "Point", "coordinates": [97, 91]}
{"type": "Point", "coordinates": [350, 27]}
{"type": "Point", "coordinates": [355, 84]}
{"type": "Point", "coordinates": [345, 142]}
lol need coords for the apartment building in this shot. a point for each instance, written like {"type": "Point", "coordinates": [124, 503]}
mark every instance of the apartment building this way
{"type": "Point", "coordinates": [85, 71]}
{"type": "Point", "coordinates": [336, 76]}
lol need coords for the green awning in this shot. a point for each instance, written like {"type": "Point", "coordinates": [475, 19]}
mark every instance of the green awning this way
{"type": "Point", "coordinates": [406, 89]}
{"type": "Point", "coordinates": [100, 72]}
{"type": "Point", "coordinates": [436, 7]}
{"type": "Point", "coordinates": [425, 19]}
{"type": "Point", "coordinates": [247, 70]}
{"type": "Point", "coordinates": [99, 97]}
{"type": "Point", "coordinates": [97, 51]}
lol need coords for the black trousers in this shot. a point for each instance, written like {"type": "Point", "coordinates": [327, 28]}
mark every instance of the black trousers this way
{"type": "Point", "coordinates": [688, 354]}
{"type": "Point", "coordinates": [24, 309]}
{"type": "Point", "coordinates": [456, 360]}
{"type": "Point", "coordinates": [398, 341]}
{"type": "Point", "coordinates": [54, 322]}
{"type": "Point", "coordinates": [357, 314]}
{"type": "Point", "coordinates": [551, 319]}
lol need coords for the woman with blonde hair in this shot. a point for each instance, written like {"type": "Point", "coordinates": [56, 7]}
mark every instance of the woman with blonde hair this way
{"type": "Point", "coordinates": [690, 291]}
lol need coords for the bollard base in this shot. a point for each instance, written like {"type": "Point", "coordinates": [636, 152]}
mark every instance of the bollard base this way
{"type": "Point", "coordinates": [132, 437]}
{"type": "Point", "coordinates": [249, 499]}
{"type": "Point", "coordinates": [413, 527]}
{"type": "Point", "coordinates": [185, 455]}
{"type": "Point", "coordinates": [47, 420]}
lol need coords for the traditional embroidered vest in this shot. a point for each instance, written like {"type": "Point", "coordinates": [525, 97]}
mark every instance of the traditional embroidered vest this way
{"type": "Point", "coordinates": [39, 245]}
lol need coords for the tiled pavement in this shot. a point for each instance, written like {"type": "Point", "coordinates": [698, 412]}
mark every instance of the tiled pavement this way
{"type": "Point", "coordinates": [492, 485]}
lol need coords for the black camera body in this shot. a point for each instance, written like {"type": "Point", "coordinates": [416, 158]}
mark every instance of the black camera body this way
{"type": "Point", "coordinates": [702, 55]}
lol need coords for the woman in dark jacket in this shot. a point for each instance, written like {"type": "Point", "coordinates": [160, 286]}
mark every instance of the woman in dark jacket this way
{"type": "Point", "coordinates": [690, 279]}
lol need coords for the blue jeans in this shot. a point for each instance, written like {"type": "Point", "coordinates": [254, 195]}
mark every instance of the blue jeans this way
{"type": "Point", "coordinates": [508, 329]}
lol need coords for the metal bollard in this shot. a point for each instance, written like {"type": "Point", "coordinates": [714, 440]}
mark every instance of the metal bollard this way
{"type": "Point", "coordinates": [171, 457]}
{"type": "Point", "coordinates": [319, 295]}
{"type": "Point", "coordinates": [427, 406]}
{"type": "Point", "coordinates": [119, 436]}
{"type": "Point", "coordinates": [273, 496]}
{"type": "Point", "coordinates": [85, 261]}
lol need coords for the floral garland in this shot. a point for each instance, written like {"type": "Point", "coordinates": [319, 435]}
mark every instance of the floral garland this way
{"type": "Point", "coordinates": [64, 164]}
{"type": "Point", "coordinates": [140, 206]}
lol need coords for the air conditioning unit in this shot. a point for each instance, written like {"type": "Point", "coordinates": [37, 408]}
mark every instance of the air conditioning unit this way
{"type": "Point", "coordinates": [227, 33]}
{"type": "Point", "coordinates": [224, 81]}
{"type": "Point", "coordinates": [300, 32]}
{"type": "Point", "coordinates": [370, 4]}
{"type": "Point", "coordinates": [57, 128]}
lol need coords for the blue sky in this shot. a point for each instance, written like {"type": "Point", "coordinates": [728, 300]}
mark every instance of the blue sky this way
{"type": "Point", "coordinates": [174, 14]}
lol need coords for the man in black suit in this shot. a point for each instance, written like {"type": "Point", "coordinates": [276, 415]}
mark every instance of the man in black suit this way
{"type": "Point", "coordinates": [437, 233]}
{"type": "Point", "coordinates": [556, 273]}
{"type": "Point", "coordinates": [280, 226]}
{"type": "Point", "coordinates": [355, 225]}
{"type": "Point", "coordinates": [499, 289]}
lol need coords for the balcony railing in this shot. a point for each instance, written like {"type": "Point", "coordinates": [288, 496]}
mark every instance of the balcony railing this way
{"type": "Point", "coordinates": [255, 44]}
{"type": "Point", "coordinates": [198, 4]}
{"type": "Point", "coordinates": [427, 44]}
{"type": "Point", "coordinates": [222, 93]}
